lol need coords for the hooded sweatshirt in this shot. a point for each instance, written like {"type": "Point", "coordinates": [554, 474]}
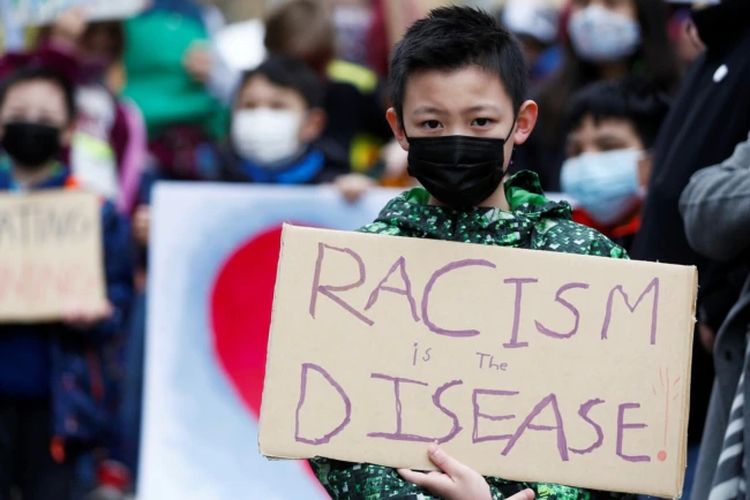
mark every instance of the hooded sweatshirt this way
{"type": "Point", "coordinates": [533, 222]}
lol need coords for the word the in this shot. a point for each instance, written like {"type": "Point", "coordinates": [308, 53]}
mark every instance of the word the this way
{"type": "Point", "coordinates": [502, 366]}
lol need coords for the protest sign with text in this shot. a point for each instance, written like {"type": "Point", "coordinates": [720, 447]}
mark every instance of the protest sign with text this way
{"type": "Point", "coordinates": [51, 259]}
{"type": "Point", "coordinates": [528, 365]}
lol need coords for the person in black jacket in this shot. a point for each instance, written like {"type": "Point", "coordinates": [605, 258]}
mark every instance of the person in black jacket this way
{"type": "Point", "coordinates": [710, 115]}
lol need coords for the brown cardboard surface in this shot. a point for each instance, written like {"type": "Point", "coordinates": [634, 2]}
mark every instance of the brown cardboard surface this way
{"type": "Point", "coordinates": [51, 257]}
{"type": "Point", "coordinates": [528, 365]}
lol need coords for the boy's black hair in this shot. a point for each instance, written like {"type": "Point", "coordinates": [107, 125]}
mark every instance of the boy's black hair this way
{"type": "Point", "coordinates": [632, 98]}
{"type": "Point", "coordinates": [454, 37]}
{"type": "Point", "coordinates": [290, 73]}
{"type": "Point", "coordinates": [34, 73]}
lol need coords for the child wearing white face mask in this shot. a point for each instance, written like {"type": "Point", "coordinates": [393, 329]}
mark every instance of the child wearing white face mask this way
{"type": "Point", "coordinates": [611, 128]}
{"type": "Point", "coordinates": [277, 122]}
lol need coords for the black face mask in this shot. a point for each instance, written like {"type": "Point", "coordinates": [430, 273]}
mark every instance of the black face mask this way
{"type": "Point", "coordinates": [30, 145]}
{"type": "Point", "coordinates": [460, 171]}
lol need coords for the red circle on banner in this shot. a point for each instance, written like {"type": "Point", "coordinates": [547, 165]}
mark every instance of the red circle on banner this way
{"type": "Point", "coordinates": [241, 301]}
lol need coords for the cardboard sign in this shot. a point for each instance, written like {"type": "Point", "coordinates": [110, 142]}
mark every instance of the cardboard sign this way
{"type": "Point", "coordinates": [51, 258]}
{"type": "Point", "coordinates": [527, 365]}
{"type": "Point", "coordinates": [38, 12]}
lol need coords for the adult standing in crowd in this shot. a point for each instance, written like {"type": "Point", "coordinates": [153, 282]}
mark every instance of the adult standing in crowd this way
{"type": "Point", "coordinates": [716, 209]}
{"type": "Point", "coordinates": [709, 117]}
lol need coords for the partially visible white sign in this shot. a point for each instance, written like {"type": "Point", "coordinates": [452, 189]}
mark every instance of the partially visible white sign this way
{"type": "Point", "coordinates": [36, 12]}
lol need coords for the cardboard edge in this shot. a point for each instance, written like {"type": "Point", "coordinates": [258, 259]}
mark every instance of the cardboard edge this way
{"type": "Point", "coordinates": [692, 281]}
{"type": "Point", "coordinates": [286, 228]}
{"type": "Point", "coordinates": [276, 457]}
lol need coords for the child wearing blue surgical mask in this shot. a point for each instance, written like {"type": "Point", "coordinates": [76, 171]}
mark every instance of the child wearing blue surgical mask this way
{"type": "Point", "coordinates": [603, 40]}
{"type": "Point", "coordinates": [276, 128]}
{"type": "Point", "coordinates": [612, 126]}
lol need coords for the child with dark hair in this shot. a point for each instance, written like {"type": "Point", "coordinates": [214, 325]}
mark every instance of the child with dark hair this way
{"type": "Point", "coordinates": [107, 149]}
{"type": "Point", "coordinates": [277, 124]}
{"type": "Point", "coordinates": [458, 87]}
{"type": "Point", "coordinates": [52, 399]}
{"type": "Point", "coordinates": [611, 129]}
{"type": "Point", "coordinates": [35, 141]}
{"type": "Point", "coordinates": [274, 138]}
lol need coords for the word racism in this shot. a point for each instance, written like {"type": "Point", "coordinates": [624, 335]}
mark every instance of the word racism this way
{"type": "Point", "coordinates": [518, 283]}
{"type": "Point", "coordinates": [518, 361]}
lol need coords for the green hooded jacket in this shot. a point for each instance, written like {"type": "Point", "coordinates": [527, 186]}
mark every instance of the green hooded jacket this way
{"type": "Point", "coordinates": [533, 222]}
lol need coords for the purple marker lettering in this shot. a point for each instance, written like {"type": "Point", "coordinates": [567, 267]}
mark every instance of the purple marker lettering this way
{"type": "Point", "coordinates": [475, 437]}
{"type": "Point", "coordinates": [558, 298]}
{"type": "Point", "coordinates": [303, 393]}
{"type": "Point", "coordinates": [436, 401]}
{"type": "Point", "coordinates": [399, 435]}
{"type": "Point", "coordinates": [328, 290]}
{"type": "Point", "coordinates": [653, 285]}
{"type": "Point", "coordinates": [583, 411]}
{"type": "Point", "coordinates": [399, 265]}
{"type": "Point", "coordinates": [621, 426]}
{"type": "Point", "coordinates": [482, 355]}
{"type": "Point", "coordinates": [551, 401]}
{"type": "Point", "coordinates": [519, 282]}
{"type": "Point", "coordinates": [452, 266]}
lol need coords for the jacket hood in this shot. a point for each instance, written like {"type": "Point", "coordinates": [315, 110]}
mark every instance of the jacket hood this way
{"type": "Point", "coordinates": [411, 213]}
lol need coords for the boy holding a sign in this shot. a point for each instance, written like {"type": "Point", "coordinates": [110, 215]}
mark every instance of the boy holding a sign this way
{"type": "Point", "coordinates": [458, 83]}
{"type": "Point", "coordinates": [51, 378]}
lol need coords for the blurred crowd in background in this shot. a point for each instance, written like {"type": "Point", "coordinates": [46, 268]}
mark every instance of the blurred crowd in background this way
{"type": "Point", "coordinates": [634, 95]}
